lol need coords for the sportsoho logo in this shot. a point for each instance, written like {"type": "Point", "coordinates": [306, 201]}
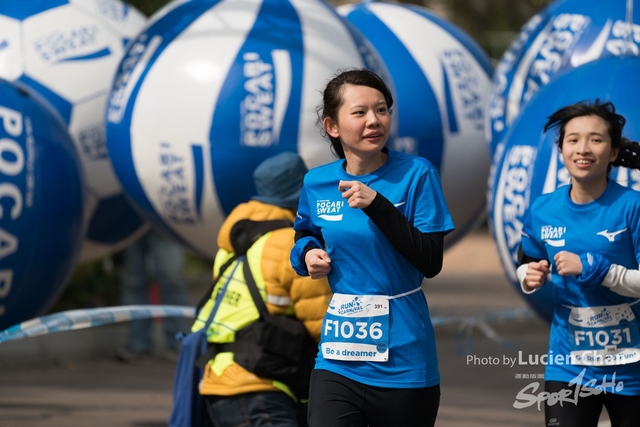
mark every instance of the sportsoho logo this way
{"type": "Point", "coordinates": [329, 210]}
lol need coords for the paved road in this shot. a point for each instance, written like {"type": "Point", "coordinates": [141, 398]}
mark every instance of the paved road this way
{"type": "Point", "coordinates": [106, 393]}
{"type": "Point", "coordinates": [479, 386]}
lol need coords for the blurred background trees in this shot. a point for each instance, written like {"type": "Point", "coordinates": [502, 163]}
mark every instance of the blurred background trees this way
{"type": "Point", "coordinates": [491, 23]}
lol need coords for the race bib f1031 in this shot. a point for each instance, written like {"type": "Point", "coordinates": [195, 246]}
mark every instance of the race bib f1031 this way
{"type": "Point", "coordinates": [606, 335]}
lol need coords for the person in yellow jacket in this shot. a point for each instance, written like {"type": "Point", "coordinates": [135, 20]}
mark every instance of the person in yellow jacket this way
{"type": "Point", "coordinates": [235, 396]}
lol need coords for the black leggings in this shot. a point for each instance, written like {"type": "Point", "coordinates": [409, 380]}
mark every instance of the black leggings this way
{"type": "Point", "coordinates": [624, 411]}
{"type": "Point", "coordinates": [337, 401]}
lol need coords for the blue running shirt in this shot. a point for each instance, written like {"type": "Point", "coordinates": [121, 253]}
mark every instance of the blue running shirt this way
{"type": "Point", "coordinates": [363, 262]}
{"type": "Point", "coordinates": [585, 318]}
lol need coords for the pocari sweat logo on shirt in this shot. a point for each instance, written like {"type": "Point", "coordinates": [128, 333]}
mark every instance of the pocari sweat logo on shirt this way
{"type": "Point", "coordinates": [552, 232]}
{"type": "Point", "coordinates": [329, 210]}
{"type": "Point", "coordinates": [553, 235]}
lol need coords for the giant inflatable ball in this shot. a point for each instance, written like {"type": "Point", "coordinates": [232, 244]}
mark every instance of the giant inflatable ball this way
{"type": "Point", "coordinates": [41, 205]}
{"type": "Point", "coordinates": [209, 90]}
{"type": "Point", "coordinates": [442, 80]}
{"type": "Point", "coordinates": [565, 35]}
{"type": "Point", "coordinates": [531, 164]}
{"type": "Point", "coordinates": [68, 51]}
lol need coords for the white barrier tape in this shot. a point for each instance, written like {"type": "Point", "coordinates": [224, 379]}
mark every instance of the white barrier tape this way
{"type": "Point", "coordinates": [466, 326]}
{"type": "Point", "coordinates": [88, 318]}
{"type": "Point", "coordinates": [510, 314]}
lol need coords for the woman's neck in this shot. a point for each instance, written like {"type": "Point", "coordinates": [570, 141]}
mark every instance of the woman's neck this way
{"type": "Point", "coordinates": [581, 193]}
{"type": "Point", "coordinates": [361, 166]}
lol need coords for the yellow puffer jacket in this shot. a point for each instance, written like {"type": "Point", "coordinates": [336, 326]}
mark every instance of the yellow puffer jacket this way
{"type": "Point", "coordinates": [310, 298]}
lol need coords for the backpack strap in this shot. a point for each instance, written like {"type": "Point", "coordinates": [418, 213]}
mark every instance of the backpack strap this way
{"type": "Point", "coordinates": [214, 309]}
{"type": "Point", "coordinates": [207, 294]}
{"type": "Point", "coordinates": [243, 234]}
{"type": "Point", "coordinates": [254, 291]}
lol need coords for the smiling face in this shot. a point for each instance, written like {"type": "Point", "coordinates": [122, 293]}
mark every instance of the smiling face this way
{"type": "Point", "coordinates": [363, 122]}
{"type": "Point", "coordinates": [586, 151]}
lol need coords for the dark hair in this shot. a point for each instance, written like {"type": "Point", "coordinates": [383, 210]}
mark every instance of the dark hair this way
{"type": "Point", "coordinates": [332, 98]}
{"type": "Point", "coordinates": [629, 154]}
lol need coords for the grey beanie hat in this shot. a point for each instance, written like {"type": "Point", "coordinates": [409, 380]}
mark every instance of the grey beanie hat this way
{"type": "Point", "coordinates": [278, 180]}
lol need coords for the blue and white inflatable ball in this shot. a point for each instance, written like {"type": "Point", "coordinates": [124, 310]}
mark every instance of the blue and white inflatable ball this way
{"type": "Point", "coordinates": [565, 35]}
{"type": "Point", "coordinates": [68, 52]}
{"type": "Point", "coordinates": [442, 80]}
{"type": "Point", "coordinates": [41, 205]}
{"type": "Point", "coordinates": [531, 164]}
{"type": "Point", "coordinates": [209, 90]}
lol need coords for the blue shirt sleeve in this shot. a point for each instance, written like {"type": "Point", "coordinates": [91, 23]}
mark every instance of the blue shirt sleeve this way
{"type": "Point", "coordinates": [431, 213]}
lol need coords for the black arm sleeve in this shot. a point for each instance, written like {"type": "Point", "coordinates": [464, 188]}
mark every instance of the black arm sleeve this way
{"type": "Point", "coordinates": [306, 233]}
{"type": "Point", "coordinates": [423, 250]}
{"type": "Point", "coordinates": [526, 259]}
